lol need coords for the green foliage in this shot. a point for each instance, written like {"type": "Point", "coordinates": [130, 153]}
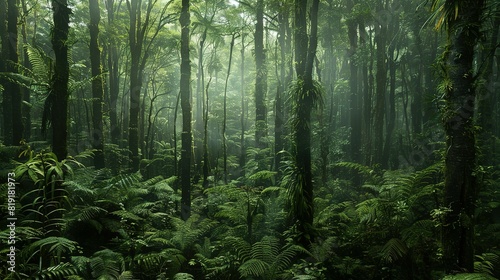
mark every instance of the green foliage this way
{"type": "Point", "coordinates": [59, 271]}
{"type": "Point", "coordinates": [468, 276]}
{"type": "Point", "coordinates": [183, 276]}
{"type": "Point", "coordinates": [393, 250]}
{"type": "Point", "coordinates": [56, 247]}
{"type": "Point", "coordinates": [266, 259]}
{"type": "Point", "coordinates": [104, 264]}
{"type": "Point", "coordinates": [486, 262]}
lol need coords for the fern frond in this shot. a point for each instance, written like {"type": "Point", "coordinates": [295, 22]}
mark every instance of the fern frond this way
{"type": "Point", "coordinates": [266, 249]}
{"type": "Point", "coordinates": [253, 267]}
{"type": "Point", "coordinates": [183, 276]}
{"type": "Point", "coordinates": [485, 263]}
{"type": "Point", "coordinates": [422, 229]}
{"type": "Point", "coordinates": [393, 250]}
{"type": "Point", "coordinates": [107, 263]}
{"type": "Point", "coordinates": [303, 277]}
{"type": "Point", "coordinates": [242, 248]}
{"type": "Point", "coordinates": [126, 275]}
{"type": "Point", "coordinates": [285, 257]}
{"type": "Point", "coordinates": [262, 175]}
{"type": "Point", "coordinates": [362, 170]}
{"type": "Point", "coordinates": [469, 276]}
{"type": "Point", "coordinates": [60, 271]}
{"type": "Point", "coordinates": [123, 181]}
{"type": "Point", "coordinates": [87, 213]}
{"type": "Point", "coordinates": [152, 181]}
{"type": "Point", "coordinates": [127, 215]}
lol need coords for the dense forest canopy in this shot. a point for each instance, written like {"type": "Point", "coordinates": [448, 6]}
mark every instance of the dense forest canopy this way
{"type": "Point", "coordinates": [227, 139]}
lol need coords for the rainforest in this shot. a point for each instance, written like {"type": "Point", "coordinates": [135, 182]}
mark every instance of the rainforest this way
{"type": "Point", "coordinates": [250, 139]}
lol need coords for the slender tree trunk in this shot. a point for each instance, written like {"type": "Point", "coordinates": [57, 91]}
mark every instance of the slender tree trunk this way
{"type": "Point", "coordinates": [391, 116]}
{"type": "Point", "coordinates": [113, 77]}
{"type": "Point", "coordinates": [242, 117]}
{"type": "Point", "coordinates": [174, 124]}
{"type": "Point", "coordinates": [279, 114]}
{"type": "Point", "coordinates": [224, 124]}
{"type": "Point", "coordinates": [354, 104]}
{"type": "Point", "coordinates": [97, 88]}
{"type": "Point", "coordinates": [26, 93]}
{"type": "Point", "coordinates": [6, 97]}
{"type": "Point", "coordinates": [460, 186]}
{"type": "Point", "coordinates": [367, 100]}
{"type": "Point", "coordinates": [185, 93]}
{"type": "Point", "coordinates": [416, 104]}
{"type": "Point", "coordinates": [206, 163]}
{"type": "Point", "coordinates": [381, 80]}
{"type": "Point", "coordinates": [305, 50]}
{"type": "Point", "coordinates": [135, 43]}
{"type": "Point", "coordinates": [200, 104]}
{"type": "Point", "coordinates": [14, 88]}
{"type": "Point", "coordinates": [260, 79]}
{"type": "Point", "coordinates": [60, 79]}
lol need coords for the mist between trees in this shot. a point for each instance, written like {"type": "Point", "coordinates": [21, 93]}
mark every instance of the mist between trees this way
{"type": "Point", "coordinates": [333, 139]}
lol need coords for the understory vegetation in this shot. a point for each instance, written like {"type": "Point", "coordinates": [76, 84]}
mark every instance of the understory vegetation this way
{"type": "Point", "coordinates": [78, 223]}
{"type": "Point", "coordinates": [250, 139]}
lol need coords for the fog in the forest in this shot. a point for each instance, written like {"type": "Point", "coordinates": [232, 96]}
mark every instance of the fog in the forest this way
{"type": "Point", "coordinates": [227, 139]}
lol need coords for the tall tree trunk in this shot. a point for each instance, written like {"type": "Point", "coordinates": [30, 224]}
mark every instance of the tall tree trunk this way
{"type": "Point", "coordinates": [460, 190]}
{"type": "Point", "coordinates": [206, 163]}
{"type": "Point", "coordinates": [391, 110]}
{"type": "Point", "coordinates": [416, 104]}
{"type": "Point", "coordinates": [200, 104]}
{"type": "Point", "coordinates": [97, 89]}
{"type": "Point", "coordinates": [6, 97]}
{"type": "Point", "coordinates": [113, 77]}
{"type": "Point", "coordinates": [485, 103]}
{"type": "Point", "coordinates": [242, 117]}
{"type": "Point", "coordinates": [14, 88]}
{"type": "Point", "coordinates": [367, 99]}
{"type": "Point", "coordinates": [260, 79]}
{"type": "Point", "coordinates": [381, 80]}
{"type": "Point", "coordinates": [224, 123]}
{"type": "Point", "coordinates": [282, 82]}
{"type": "Point", "coordinates": [135, 43]}
{"type": "Point", "coordinates": [26, 93]}
{"type": "Point", "coordinates": [305, 51]}
{"type": "Point", "coordinates": [185, 93]}
{"type": "Point", "coordinates": [354, 104]}
{"type": "Point", "coordinates": [60, 93]}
